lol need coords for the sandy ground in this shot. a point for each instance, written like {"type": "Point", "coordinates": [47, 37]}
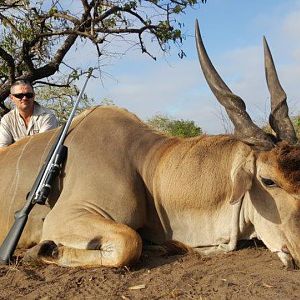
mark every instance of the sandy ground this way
{"type": "Point", "coordinates": [249, 273]}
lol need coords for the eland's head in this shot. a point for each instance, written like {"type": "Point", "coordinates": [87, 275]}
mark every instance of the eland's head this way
{"type": "Point", "coordinates": [274, 176]}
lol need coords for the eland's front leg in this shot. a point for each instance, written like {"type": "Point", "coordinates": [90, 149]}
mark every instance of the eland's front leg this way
{"type": "Point", "coordinates": [89, 240]}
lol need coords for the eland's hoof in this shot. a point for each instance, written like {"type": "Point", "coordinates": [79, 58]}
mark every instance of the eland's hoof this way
{"type": "Point", "coordinates": [45, 249]}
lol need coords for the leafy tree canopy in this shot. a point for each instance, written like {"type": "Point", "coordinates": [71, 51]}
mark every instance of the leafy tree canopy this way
{"type": "Point", "coordinates": [61, 100]}
{"type": "Point", "coordinates": [181, 128]}
{"type": "Point", "coordinates": [36, 35]}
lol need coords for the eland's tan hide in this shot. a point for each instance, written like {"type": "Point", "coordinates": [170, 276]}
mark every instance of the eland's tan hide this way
{"type": "Point", "coordinates": [124, 182]}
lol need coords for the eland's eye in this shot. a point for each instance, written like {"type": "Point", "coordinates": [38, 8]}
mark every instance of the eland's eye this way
{"type": "Point", "coordinates": [268, 182]}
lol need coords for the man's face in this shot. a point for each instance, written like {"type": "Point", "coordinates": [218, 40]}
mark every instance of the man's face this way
{"type": "Point", "coordinates": [23, 97]}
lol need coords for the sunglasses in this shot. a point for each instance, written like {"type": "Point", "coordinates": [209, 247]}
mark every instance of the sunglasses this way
{"type": "Point", "coordinates": [22, 95]}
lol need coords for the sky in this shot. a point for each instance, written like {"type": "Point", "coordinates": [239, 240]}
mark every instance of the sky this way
{"type": "Point", "coordinates": [232, 32]}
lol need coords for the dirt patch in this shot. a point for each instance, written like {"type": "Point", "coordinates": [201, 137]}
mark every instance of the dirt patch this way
{"type": "Point", "coordinates": [252, 273]}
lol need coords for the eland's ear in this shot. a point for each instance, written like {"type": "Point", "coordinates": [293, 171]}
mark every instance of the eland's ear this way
{"type": "Point", "coordinates": [241, 176]}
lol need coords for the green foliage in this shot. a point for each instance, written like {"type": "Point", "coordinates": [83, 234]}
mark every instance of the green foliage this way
{"type": "Point", "coordinates": [61, 100]}
{"type": "Point", "coordinates": [107, 101]}
{"type": "Point", "coordinates": [181, 128]}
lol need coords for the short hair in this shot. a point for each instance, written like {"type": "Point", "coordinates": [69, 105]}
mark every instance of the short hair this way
{"type": "Point", "coordinates": [21, 82]}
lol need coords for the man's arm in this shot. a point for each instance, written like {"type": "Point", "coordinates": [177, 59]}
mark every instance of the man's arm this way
{"type": "Point", "coordinates": [5, 134]}
{"type": "Point", "coordinates": [49, 122]}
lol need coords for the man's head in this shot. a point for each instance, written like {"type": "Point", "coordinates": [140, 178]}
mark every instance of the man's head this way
{"type": "Point", "coordinates": [22, 95]}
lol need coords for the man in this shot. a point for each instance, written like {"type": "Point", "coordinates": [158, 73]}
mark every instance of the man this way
{"type": "Point", "coordinates": [27, 118]}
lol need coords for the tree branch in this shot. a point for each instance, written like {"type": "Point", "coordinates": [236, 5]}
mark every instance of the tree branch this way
{"type": "Point", "coordinates": [39, 39]}
{"type": "Point", "coordinates": [10, 63]}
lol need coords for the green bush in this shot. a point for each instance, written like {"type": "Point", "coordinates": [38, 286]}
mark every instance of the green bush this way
{"type": "Point", "coordinates": [181, 128]}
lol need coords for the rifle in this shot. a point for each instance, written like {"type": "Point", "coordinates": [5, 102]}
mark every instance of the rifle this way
{"type": "Point", "coordinates": [42, 185]}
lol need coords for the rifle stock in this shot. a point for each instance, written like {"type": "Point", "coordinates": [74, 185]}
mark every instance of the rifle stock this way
{"type": "Point", "coordinates": [10, 243]}
{"type": "Point", "coordinates": [41, 187]}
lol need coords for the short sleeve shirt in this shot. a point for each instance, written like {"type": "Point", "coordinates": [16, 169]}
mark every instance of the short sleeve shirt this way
{"type": "Point", "coordinates": [12, 126]}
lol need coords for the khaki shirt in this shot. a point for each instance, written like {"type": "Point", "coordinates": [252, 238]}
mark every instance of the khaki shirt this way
{"type": "Point", "coordinates": [12, 126]}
